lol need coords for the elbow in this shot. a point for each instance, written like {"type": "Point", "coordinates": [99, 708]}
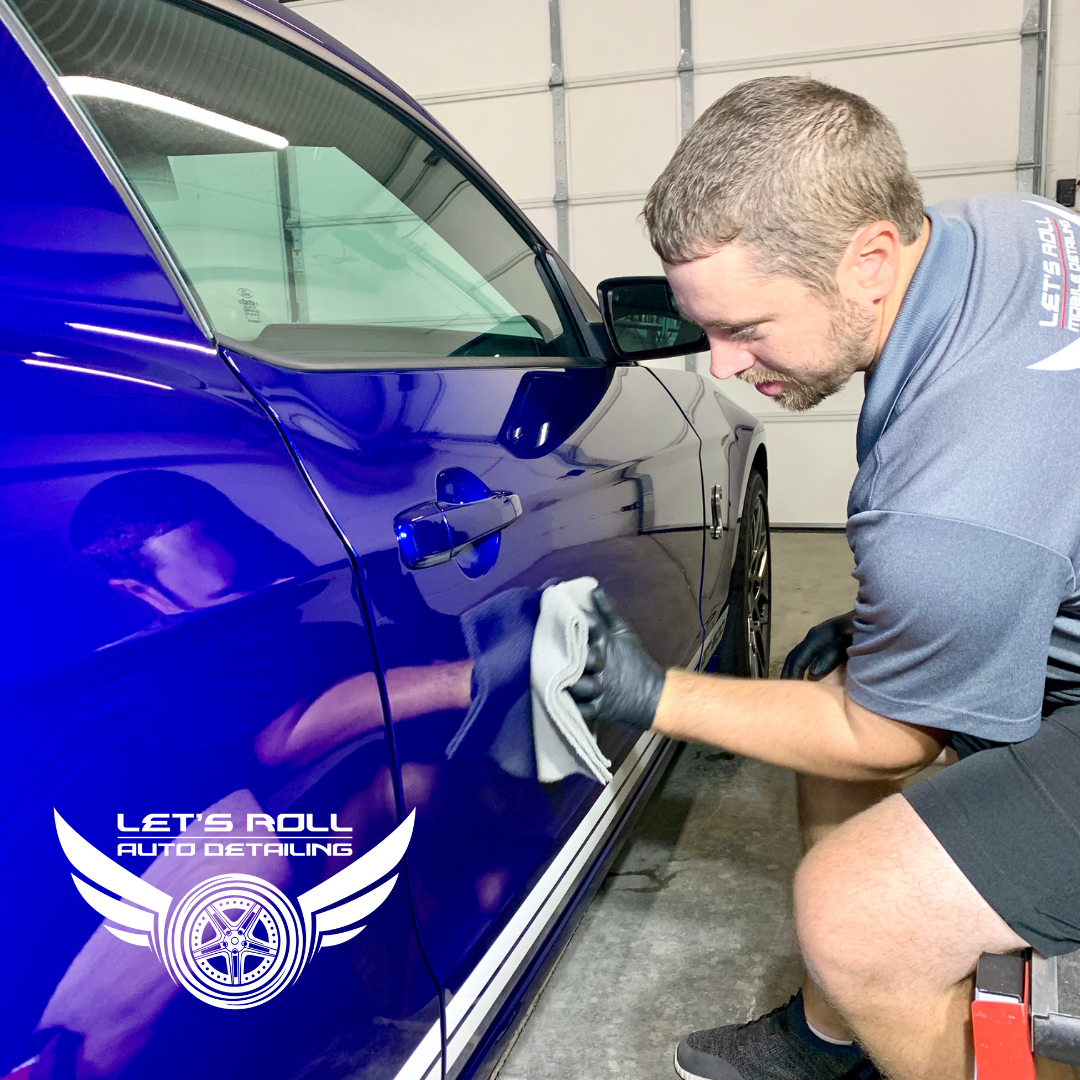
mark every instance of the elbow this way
{"type": "Point", "coordinates": [887, 749]}
{"type": "Point", "coordinates": [900, 771]}
{"type": "Point", "coordinates": [273, 743]}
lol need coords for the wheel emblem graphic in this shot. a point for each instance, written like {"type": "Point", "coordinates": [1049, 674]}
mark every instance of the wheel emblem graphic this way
{"type": "Point", "coordinates": [234, 941]}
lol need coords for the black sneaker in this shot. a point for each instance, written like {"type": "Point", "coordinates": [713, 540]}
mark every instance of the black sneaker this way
{"type": "Point", "coordinates": [776, 1046]}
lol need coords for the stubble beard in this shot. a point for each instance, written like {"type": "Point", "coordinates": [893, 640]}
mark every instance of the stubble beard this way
{"type": "Point", "coordinates": [849, 340]}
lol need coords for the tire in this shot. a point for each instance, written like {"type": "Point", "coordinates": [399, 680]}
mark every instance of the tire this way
{"type": "Point", "coordinates": [744, 647]}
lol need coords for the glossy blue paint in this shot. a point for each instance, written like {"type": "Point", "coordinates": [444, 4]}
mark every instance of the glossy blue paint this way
{"type": "Point", "coordinates": [177, 608]}
{"type": "Point", "coordinates": [611, 501]}
{"type": "Point", "coordinates": [209, 612]}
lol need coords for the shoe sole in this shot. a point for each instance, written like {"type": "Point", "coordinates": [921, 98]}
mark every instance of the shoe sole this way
{"type": "Point", "coordinates": [686, 1074]}
{"type": "Point", "coordinates": [864, 1071]}
{"type": "Point", "coordinates": [681, 1071]}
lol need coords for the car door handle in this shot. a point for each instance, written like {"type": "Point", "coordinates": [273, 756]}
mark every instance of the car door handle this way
{"type": "Point", "coordinates": [434, 532]}
{"type": "Point", "coordinates": [717, 503]}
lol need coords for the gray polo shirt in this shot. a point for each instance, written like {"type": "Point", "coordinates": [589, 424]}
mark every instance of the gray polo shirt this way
{"type": "Point", "coordinates": [965, 516]}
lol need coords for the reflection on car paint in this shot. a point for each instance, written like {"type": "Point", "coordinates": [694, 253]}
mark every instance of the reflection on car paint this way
{"type": "Point", "coordinates": [608, 499]}
{"type": "Point", "coordinates": [229, 700]}
{"type": "Point", "coordinates": [185, 638]}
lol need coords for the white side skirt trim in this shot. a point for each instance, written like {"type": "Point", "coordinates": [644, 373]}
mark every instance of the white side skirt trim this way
{"type": "Point", "coordinates": [479, 993]}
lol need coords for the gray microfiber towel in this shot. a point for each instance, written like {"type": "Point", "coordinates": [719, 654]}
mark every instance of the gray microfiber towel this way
{"type": "Point", "coordinates": [527, 647]}
{"type": "Point", "coordinates": [564, 744]}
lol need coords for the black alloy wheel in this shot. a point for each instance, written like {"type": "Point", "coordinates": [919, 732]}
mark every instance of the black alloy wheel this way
{"type": "Point", "coordinates": [744, 648]}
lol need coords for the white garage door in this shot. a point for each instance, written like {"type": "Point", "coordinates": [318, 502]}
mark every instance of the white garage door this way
{"type": "Point", "coordinates": [575, 106]}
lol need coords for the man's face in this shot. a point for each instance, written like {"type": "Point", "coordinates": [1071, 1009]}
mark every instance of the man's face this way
{"type": "Point", "coordinates": [774, 333]}
{"type": "Point", "coordinates": [193, 571]}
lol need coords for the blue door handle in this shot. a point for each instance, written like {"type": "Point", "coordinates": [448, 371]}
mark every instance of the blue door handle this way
{"type": "Point", "coordinates": [434, 532]}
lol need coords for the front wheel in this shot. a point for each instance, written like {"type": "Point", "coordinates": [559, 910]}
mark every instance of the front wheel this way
{"type": "Point", "coordinates": [744, 648]}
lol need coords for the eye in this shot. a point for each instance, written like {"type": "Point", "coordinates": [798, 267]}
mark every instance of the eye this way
{"type": "Point", "coordinates": [743, 333]}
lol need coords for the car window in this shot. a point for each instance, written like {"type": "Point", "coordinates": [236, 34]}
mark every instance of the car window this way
{"type": "Point", "coordinates": [308, 217]}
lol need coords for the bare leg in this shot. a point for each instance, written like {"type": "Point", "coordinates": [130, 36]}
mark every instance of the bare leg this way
{"type": "Point", "coordinates": [823, 805]}
{"type": "Point", "coordinates": [891, 931]}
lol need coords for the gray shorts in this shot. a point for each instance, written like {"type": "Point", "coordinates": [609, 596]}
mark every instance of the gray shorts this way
{"type": "Point", "coordinates": [1009, 817]}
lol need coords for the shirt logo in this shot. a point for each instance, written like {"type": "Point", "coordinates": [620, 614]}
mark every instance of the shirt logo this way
{"type": "Point", "coordinates": [1060, 298]}
{"type": "Point", "coordinates": [234, 941]}
{"type": "Point", "coordinates": [1067, 359]}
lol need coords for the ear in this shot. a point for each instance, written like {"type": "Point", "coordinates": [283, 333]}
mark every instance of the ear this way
{"type": "Point", "coordinates": [871, 264]}
{"type": "Point", "coordinates": [147, 593]}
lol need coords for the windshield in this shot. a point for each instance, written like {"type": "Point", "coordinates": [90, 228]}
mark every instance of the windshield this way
{"type": "Point", "coordinates": [309, 219]}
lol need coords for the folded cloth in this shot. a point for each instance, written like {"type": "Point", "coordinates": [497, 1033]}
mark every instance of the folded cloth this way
{"type": "Point", "coordinates": [560, 646]}
{"type": "Point", "coordinates": [527, 647]}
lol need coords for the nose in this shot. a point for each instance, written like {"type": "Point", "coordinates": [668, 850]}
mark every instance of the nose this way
{"type": "Point", "coordinates": [727, 358]}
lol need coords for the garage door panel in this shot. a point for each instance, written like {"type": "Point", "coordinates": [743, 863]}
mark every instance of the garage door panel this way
{"type": "Point", "coordinates": [621, 136]}
{"type": "Point", "coordinates": [483, 43]}
{"type": "Point", "coordinates": [981, 84]}
{"type": "Point", "coordinates": [939, 188]}
{"type": "Point", "coordinates": [724, 32]}
{"type": "Point", "coordinates": [811, 469]}
{"type": "Point", "coordinates": [947, 74]}
{"type": "Point", "coordinates": [609, 241]}
{"type": "Point", "coordinates": [522, 165]}
{"type": "Point", "coordinates": [595, 41]}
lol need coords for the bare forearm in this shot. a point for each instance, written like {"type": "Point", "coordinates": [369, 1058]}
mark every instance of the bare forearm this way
{"type": "Point", "coordinates": [353, 707]}
{"type": "Point", "coordinates": [812, 727]}
{"type": "Point", "coordinates": [415, 691]}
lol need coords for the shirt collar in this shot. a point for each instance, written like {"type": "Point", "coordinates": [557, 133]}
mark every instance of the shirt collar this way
{"type": "Point", "coordinates": [936, 288]}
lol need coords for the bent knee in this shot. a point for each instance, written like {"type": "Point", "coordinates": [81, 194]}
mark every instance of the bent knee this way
{"type": "Point", "coordinates": [846, 900]}
{"type": "Point", "coordinates": [824, 894]}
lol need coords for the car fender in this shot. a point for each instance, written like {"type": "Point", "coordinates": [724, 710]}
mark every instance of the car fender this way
{"type": "Point", "coordinates": [749, 449]}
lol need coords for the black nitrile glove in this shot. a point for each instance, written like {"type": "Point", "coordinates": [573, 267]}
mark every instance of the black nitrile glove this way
{"type": "Point", "coordinates": [822, 650]}
{"type": "Point", "coordinates": [622, 683]}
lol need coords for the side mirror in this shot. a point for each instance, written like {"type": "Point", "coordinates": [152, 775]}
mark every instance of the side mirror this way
{"type": "Point", "coordinates": [643, 321]}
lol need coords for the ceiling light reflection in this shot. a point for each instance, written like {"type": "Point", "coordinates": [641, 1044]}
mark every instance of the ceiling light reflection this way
{"type": "Point", "coordinates": [91, 86]}
{"type": "Point", "coordinates": [113, 332]}
{"type": "Point", "coordinates": [94, 371]}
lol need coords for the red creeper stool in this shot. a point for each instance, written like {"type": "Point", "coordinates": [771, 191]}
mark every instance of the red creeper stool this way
{"type": "Point", "coordinates": [1025, 1006]}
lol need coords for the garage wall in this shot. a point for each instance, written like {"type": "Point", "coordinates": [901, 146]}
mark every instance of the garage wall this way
{"type": "Point", "coordinates": [575, 106]}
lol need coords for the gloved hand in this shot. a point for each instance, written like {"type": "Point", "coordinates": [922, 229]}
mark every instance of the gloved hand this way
{"type": "Point", "coordinates": [622, 683]}
{"type": "Point", "coordinates": [822, 650]}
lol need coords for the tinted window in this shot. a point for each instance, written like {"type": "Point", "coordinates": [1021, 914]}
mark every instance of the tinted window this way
{"type": "Point", "coordinates": [308, 217]}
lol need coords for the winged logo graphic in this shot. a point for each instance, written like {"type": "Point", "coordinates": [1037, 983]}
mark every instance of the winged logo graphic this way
{"type": "Point", "coordinates": [235, 941]}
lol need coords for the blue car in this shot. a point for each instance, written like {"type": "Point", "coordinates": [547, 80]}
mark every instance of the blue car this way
{"type": "Point", "coordinates": [300, 414]}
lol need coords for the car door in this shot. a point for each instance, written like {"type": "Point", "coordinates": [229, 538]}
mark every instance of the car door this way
{"type": "Point", "coordinates": [194, 741]}
{"type": "Point", "coordinates": [488, 822]}
{"type": "Point", "coordinates": [402, 325]}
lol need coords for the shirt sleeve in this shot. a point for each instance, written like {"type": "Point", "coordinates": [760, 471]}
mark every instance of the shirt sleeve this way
{"type": "Point", "coordinates": [952, 623]}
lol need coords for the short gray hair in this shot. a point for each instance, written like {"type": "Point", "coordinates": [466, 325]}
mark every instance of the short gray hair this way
{"type": "Point", "coordinates": [793, 167]}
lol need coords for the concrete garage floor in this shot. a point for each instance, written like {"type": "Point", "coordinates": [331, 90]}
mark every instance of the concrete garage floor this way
{"type": "Point", "coordinates": [692, 927]}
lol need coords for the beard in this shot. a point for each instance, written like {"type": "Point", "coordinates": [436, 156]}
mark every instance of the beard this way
{"type": "Point", "coordinates": [849, 342]}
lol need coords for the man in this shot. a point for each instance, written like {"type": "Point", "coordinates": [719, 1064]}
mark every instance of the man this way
{"type": "Point", "coordinates": [791, 229]}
